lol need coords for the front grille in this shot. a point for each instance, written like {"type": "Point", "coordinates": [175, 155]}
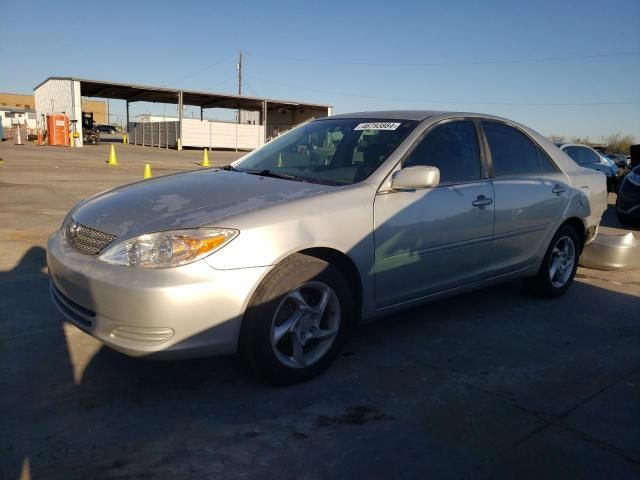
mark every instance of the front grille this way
{"type": "Point", "coordinates": [87, 240]}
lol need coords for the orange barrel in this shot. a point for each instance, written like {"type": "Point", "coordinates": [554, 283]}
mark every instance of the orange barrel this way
{"type": "Point", "coordinates": [58, 130]}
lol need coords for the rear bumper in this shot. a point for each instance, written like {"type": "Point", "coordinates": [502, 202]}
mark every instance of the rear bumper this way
{"type": "Point", "coordinates": [193, 310]}
{"type": "Point", "coordinates": [591, 229]}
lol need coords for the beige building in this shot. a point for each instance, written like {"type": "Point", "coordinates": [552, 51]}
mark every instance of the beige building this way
{"type": "Point", "coordinates": [27, 102]}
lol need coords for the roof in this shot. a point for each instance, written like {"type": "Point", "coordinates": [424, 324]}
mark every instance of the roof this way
{"type": "Point", "coordinates": [391, 114]}
{"type": "Point", "coordinates": [572, 144]}
{"type": "Point", "coordinates": [149, 93]}
{"type": "Point", "coordinates": [17, 110]}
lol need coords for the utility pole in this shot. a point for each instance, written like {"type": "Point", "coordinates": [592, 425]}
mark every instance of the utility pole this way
{"type": "Point", "coordinates": [239, 67]}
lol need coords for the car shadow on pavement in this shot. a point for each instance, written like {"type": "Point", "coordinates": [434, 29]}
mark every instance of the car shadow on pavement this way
{"type": "Point", "coordinates": [74, 409]}
{"type": "Point", "coordinates": [36, 363]}
{"type": "Point", "coordinates": [52, 371]}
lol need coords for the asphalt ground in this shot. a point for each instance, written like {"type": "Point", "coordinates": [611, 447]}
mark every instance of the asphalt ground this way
{"type": "Point", "coordinates": [491, 384]}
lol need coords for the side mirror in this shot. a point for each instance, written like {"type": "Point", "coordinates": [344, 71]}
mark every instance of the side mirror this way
{"type": "Point", "coordinates": [412, 178]}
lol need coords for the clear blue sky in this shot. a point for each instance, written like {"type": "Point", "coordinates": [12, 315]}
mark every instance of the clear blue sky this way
{"type": "Point", "coordinates": [330, 52]}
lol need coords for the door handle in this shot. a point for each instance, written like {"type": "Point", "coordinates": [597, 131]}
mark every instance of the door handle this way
{"type": "Point", "coordinates": [482, 201]}
{"type": "Point", "coordinates": [558, 189]}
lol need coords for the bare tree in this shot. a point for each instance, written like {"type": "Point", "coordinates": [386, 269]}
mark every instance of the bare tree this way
{"type": "Point", "coordinates": [583, 140]}
{"type": "Point", "coordinates": [557, 138]}
{"type": "Point", "coordinates": [619, 143]}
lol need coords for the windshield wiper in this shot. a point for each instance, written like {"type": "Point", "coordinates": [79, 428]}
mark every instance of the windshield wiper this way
{"type": "Point", "coordinates": [229, 167]}
{"type": "Point", "coordinates": [269, 173]}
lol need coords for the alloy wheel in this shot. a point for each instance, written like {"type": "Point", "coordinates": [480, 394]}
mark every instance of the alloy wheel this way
{"type": "Point", "coordinates": [561, 262]}
{"type": "Point", "coordinates": [305, 324]}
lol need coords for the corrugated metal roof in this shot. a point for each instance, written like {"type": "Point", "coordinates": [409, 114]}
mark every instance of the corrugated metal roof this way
{"type": "Point", "coordinates": [149, 93]}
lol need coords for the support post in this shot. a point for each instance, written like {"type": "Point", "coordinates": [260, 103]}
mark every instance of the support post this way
{"type": "Point", "coordinates": [201, 114]}
{"type": "Point", "coordinates": [264, 120]}
{"type": "Point", "coordinates": [179, 120]}
{"type": "Point", "coordinates": [237, 127]}
{"type": "Point", "coordinates": [127, 127]}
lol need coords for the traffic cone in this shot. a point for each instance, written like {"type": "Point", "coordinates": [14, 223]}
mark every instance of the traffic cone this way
{"type": "Point", "coordinates": [112, 156]}
{"type": "Point", "coordinates": [205, 158]}
{"type": "Point", "coordinates": [147, 171]}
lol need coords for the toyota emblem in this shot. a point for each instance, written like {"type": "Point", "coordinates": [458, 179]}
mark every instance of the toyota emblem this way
{"type": "Point", "coordinates": [74, 228]}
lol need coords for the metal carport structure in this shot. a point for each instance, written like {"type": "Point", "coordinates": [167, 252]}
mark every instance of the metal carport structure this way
{"type": "Point", "coordinates": [64, 94]}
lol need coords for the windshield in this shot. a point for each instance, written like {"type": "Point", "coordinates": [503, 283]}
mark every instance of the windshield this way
{"type": "Point", "coordinates": [334, 152]}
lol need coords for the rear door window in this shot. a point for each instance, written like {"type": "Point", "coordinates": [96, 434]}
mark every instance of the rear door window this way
{"type": "Point", "coordinates": [511, 151]}
{"type": "Point", "coordinates": [546, 164]}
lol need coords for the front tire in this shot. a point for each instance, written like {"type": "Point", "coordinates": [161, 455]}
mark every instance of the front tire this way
{"type": "Point", "coordinates": [558, 266]}
{"type": "Point", "coordinates": [297, 321]}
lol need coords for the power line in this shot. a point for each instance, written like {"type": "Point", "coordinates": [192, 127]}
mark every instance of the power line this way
{"type": "Point", "coordinates": [452, 102]}
{"type": "Point", "coordinates": [246, 84]}
{"type": "Point", "coordinates": [446, 64]}
{"type": "Point", "coordinates": [198, 72]}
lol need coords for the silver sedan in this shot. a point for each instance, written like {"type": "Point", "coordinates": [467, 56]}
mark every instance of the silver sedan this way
{"type": "Point", "coordinates": [339, 221]}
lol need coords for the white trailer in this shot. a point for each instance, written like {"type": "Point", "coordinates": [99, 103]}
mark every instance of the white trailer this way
{"type": "Point", "coordinates": [60, 95]}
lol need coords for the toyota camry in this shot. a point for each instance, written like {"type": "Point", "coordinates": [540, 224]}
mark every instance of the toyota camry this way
{"type": "Point", "coordinates": [337, 222]}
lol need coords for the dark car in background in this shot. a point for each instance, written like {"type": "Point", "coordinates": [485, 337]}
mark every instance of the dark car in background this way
{"type": "Point", "coordinates": [106, 128]}
{"type": "Point", "coordinates": [622, 161]}
{"type": "Point", "coordinates": [628, 201]}
{"type": "Point", "coordinates": [587, 157]}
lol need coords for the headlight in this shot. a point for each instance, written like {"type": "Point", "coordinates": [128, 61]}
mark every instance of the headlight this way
{"type": "Point", "coordinates": [168, 249]}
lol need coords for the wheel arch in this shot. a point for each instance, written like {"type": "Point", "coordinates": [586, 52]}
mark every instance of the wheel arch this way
{"type": "Point", "coordinates": [346, 266]}
{"type": "Point", "coordinates": [578, 226]}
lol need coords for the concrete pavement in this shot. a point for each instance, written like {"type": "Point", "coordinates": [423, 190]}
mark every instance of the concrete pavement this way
{"type": "Point", "coordinates": [493, 384]}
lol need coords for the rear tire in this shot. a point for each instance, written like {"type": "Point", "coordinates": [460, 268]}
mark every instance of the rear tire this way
{"type": "Point", "coordinates": [558, 266]}
{"type": "Point", "coordinates": [287, 335]}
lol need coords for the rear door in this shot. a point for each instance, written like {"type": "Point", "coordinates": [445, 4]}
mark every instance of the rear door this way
{"type": "Point", "coordinates": [530, 195]}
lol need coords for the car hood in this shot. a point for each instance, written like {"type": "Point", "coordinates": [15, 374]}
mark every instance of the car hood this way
{"type": "Point", "coordinates": [186, 200]}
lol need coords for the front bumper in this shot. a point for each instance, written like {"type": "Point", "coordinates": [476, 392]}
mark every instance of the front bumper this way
{"type": "Point", "coordinates": [193, 310]}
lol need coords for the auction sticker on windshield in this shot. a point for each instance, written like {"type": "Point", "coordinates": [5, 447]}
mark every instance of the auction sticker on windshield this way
{"type": "Point", "coordinates": [377, 126]}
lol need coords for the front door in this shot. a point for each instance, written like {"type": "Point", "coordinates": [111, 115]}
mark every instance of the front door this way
{"type": "Point", "coordinates": [434, 239]}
